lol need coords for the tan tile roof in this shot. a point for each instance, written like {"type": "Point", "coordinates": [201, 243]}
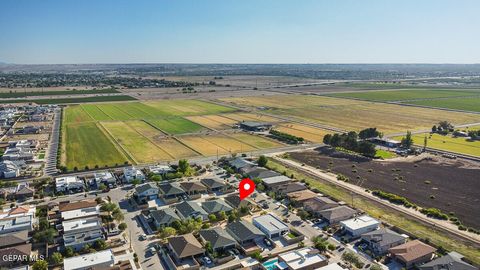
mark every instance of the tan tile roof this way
{"type": "Point", "coordinates": [411, 250]}
{"type": "Point", "coordinates": [302, 195]}
{"type": "Point", "coordinates": [76, 205]}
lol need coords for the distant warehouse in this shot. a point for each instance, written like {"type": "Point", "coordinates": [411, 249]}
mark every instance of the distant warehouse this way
{"type": "Point", "coordinates": [255, 126]}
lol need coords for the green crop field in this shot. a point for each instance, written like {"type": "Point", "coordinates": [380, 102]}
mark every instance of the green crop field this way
{"type": "Point", "coordinates": [448, 143]}
{"type": "Point", "coordinates": [89, 146]}
{"type": "Point", "coordinates": [95, 112]}
{"type": "Point", "coordinates": [75, 114]}
{"type": "Point", "coordinates": [71, 100]}
{"type": "Point", "coordinates": [464, 104]}
{"type": "Point", "coordinates": [176, 125]}
{"type": "Point", "coordinates": [407, 94]}
{"type": "Point", "coordinates": [183, 107]}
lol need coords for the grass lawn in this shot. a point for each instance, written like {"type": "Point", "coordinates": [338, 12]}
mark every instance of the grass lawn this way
{"type": "Point", "coordinates": [406, 94]}
{"type": "Point", "coordinates": [383, 154]}
{"type": "Point", "coordinates": [385, 214]}
{"type": "Point", "coordinates": [464, 104]}
{"type": "Point", "coordinates": [176, 125]}
{"type": "Point", "coordinates": [87, 145]}
{"type": "Point", "coordinates": [448, 143]}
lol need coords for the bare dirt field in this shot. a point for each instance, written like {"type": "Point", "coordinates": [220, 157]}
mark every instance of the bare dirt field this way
{"type": "Point", "coordinates": [40, 89]}
{"type": "Point", "coordinates": [205, 92]}
{"type": "Point", "coordinates": [449, 185]}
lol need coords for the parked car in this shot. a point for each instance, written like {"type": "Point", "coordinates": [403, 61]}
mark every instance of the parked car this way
{"type": "Point", "coordinates": [207, 260]}
{"type": "Point", "coordinates": [267, 242]}
{"type": "Point", "coordinates": [152, 251]}
{"type": "Point", "coordinates": [142, 237]}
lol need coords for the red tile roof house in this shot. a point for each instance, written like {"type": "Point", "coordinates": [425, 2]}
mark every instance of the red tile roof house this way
{"type": "Point", "coordinates": [412, 253]}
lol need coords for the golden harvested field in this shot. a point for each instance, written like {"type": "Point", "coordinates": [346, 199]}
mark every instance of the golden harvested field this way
{"type": "Point", "coordinates": [356, 115]}
{"type": "Point", "coordinates": [139, 147]}
{"type": "Point", "coordinates": [255, 140]}
{"type": "Point", "coordinates": [144, 128]}
{"type": "Point", "coordinates": [208, 145]}
{"type": "Point", "coordinates": [308, 133]}
{"type": "Point", "coordinates": [239, 117]}
{"type": "Point", "coordinates": [212, 121]}
{"type": "Point", "coordinates": [174, 147]}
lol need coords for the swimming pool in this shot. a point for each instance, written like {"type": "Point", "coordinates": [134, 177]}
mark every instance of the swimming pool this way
{"type": "Point", "coordinates": [270, 265]}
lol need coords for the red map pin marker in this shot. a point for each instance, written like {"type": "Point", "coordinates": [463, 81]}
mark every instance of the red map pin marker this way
{"type": "Point", "coordinates": [246, 187]}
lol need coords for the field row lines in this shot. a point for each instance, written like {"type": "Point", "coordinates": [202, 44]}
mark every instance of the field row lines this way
{"type": "Point", "coordinates": [117, 144]}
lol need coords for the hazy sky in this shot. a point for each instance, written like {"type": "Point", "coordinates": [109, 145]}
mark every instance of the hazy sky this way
{"type": "Point", "coordinates": [241, 31]}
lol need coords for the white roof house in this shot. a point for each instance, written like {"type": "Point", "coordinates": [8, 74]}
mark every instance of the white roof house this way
{"type": "Point", "coordinates": [305, 258]}
{"type": "Point", "coordinates": [271, 225]}
{"type": "Point", "coordinates": [68, 183]}
{"type": "Point", "coordinates": [360, 225]}
{"type": "Point", "coordinates": [79, 232]}
{"type": "Point", "coordinates": [276, 180]}
{"type": "Point", "coordinates": [332, 266]}
{"type": "Point", "coordinates": [81, 213]}
{"type": "Point", "coordinates": [132, 173]}
{"type": "Point", "coordinates": [160, 169]}
{"type": "Point", "coordinates": [99, 261]}
{"type": "Point", "coordinates": [9, 169]}
{"type": "Point", "coordinates": [104, 177]}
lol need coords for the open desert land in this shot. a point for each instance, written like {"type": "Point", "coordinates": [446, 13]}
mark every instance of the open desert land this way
{"type": "Point", "coordinates": [447, 143]}
{"type": "Point", "coordinates": [407, 94]}
{"type": "Point", "coordinates": [354, 114]}
{"type": "Point", "coordinates": [449, 185]}
{"type": "Point", "coordinates": [80, 150]}
{"type": "Point", "coordinates": [311, 134]}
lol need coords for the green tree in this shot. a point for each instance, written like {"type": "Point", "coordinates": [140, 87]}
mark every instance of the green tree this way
{"type": "Point", "coordinates": [425, 141]}
{"type": "Point", "coordinates": [56, 258]}
{"type": "Point", "coordinates": [222, 215]}
{"type": "Point", "coordinates": [102, 186]}
{"type": "Point", "coordinates": [122, 226]}
{"type": "Point", "coordinates": [166, 232]}
{"type": "Point", "coordinates": [100, 244]}
{"type": "Point", "coordinates": [184, 167]}
{"type": "Point", "coordinates": [40, 265]}
{"type": "Point", "coordinates": [407, 141]}
{"type": "Point", "coordinates": [208, 247]}
{"type": "Point", "coordinates": [47, 235]}
{"type": "Point", "coordinates": [262, 161]}
{"type": "Point", "coordinates": [69, 252]}
{"type": "Point", "coordinates": [212, 218]}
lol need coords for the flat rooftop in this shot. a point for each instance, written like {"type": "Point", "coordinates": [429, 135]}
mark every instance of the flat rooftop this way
{"type": "Point", "coordinates": [88, 260]}
{"type": "Point", "coordinates": [359, 222]}
{"type": "Point", "coordinates": [270, 222]}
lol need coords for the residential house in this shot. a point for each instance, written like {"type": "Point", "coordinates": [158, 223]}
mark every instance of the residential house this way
{"type": "Point", "coordinates": [317, 204]}
{"type": "Point", "coordinates": [214, 185]}
{"type": "Point", "coordinates": [164, 217]}
{"type": "Point", "coordinates": [270, 225]}
{"type": "Point", "coordinates": [81, 231]}
{"type": "Point", "coordinates": [337, 214]}
{"type": "Point", "coordinates": [219, 239]}
{"type": "Point", "coordinates": [239, 163]}
{"type": "Point", "coordinates": [298, 197]}
{"type": "Point", "coordinates": [9, 169]}
{"type": "Point", "coordinates": [259, 172]}
{"type": "Point", "coordinates": [307, 258]}
{"type": "Point", "coordinates": [190, 209]}
{"type": "Point", "coordinates": [193, 188]}
{"type": "Point", "coordinates": [69, 184]}
{"type": "Point", "coordinates": [23, 192]}
{"type": "Point", "coordinates": [381, 240]}
{"type": "Point", "coordinates": [451, 261]}
{"type": "Point", "coordinates": [147, 191]}
{"type": "Point", "coordinates": [276, 180]}
{"type": "Point", "coordinates": [234, 201]}
{"type": "Point", "coordinates": [105, 178]}
{"type": "Point", "coordinates": [161, 169]}
{"type": "Point", "coordinates": [412, 253]}
{"type": "Point", "coordinates": [184, 248]}
{"type": "Point", "coordinates": [244, 232]}
{"type": "Point", "coordinates": [359, 225]}
{"type": "Point", "coordinates": [101, 260]}
{"type": "Point", "coordinates": [171, 190]}
{"type": "Point", "coordinates": [216, 206]}
{"type": "Point", "coordinates": [19, 251]}
{"type": "Point", "coordinates": [131, 173]}
{"type": "Point", "coordinates": [79, 209]}
{"type": "Point", "coordinates": [13, 239]}
{"type": "Point", "coordinates": [21, 218]}
{"type": "Point", "coordinates": [288, 188]}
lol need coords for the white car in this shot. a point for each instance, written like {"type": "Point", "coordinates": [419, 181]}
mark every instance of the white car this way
{"type": "Point", "coordinates": [207, 260]}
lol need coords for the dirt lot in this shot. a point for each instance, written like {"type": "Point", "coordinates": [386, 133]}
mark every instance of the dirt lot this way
{"type": "Point", "coordinates": [453, 183]}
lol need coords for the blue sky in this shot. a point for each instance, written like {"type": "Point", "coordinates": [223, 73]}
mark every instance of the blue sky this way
{"type": "Point", "coordinates": [241, 31]}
